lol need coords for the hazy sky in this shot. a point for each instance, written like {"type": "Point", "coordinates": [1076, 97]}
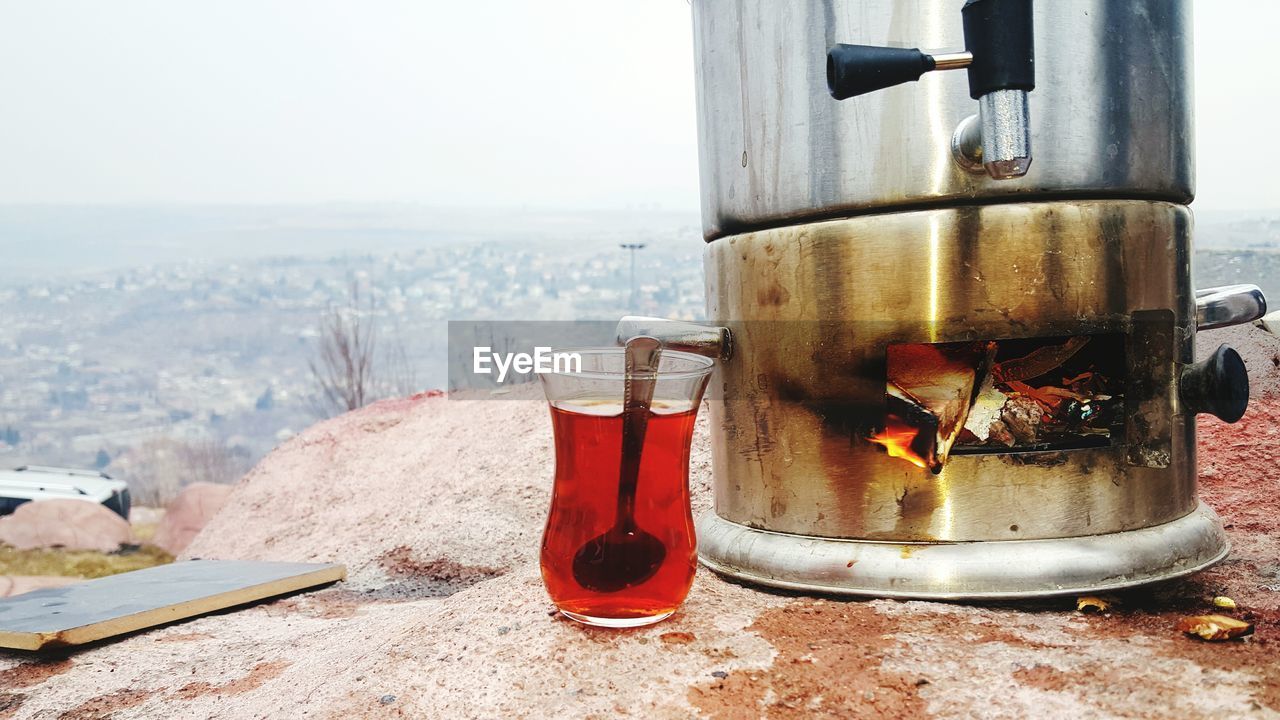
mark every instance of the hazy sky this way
{"type": "Point", "coordinates": [551, 103]}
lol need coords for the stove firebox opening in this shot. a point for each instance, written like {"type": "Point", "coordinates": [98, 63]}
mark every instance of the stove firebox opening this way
{"type": "Point", "coordinates": [1002, 396]}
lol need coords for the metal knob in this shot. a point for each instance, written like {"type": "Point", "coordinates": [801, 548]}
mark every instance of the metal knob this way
{"type": "Point", "coordinates": [1218, 386]}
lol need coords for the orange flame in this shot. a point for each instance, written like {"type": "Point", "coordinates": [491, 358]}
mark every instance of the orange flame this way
{"type": "Point", "coordinates": [898, 438]}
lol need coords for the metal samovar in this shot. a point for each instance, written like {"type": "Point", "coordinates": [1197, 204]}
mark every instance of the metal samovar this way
{"type": "Point", "coordinates": [857, 198]}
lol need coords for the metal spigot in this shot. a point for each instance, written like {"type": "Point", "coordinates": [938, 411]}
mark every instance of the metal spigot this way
{"type": "Point", "coordinates": [1000, 57]}
{"type": "Point", "coordinates": [998, 139]}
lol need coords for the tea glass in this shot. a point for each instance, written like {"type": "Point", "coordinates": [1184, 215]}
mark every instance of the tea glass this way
{"type": "Point", "coordinates": [586, 403]}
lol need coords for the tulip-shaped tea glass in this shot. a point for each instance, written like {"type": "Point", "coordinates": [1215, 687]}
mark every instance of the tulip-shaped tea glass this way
{"type": "Point", "coordinates": [611, 557]}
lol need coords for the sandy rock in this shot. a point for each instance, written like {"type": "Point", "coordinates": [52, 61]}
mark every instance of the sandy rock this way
{"type": "Point", "coordinates": [1271, 322]}
{"type": "Point", "coordinates": [437, 506]}
{"type": "Point", "coordinates": [11, 585]}
{"type": "Point", "coordinates": [71, 524]}
{"type": "Point", "coordinates": [397, 474]}
{"type": "Point", "coordinates": [188, 514]}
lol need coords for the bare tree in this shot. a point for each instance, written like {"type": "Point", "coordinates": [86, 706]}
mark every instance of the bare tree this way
{"type": "Point", "coordinates": [348, 371]}
{"type": "Point", "coordinates": [210, 461]}
{"type": "Point", "coordinates": [343, 366]}
{"type": "Point", "coordinates": [159, 468]}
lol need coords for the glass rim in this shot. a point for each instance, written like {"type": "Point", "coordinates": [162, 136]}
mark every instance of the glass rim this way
{"type": "Point", "coordinates": [706, 363]}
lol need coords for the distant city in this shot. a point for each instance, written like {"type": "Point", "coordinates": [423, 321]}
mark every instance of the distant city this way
{"type": "Point", "coordinates": [204, 336]}
{"type": "Point", "coordinates": [95, 364]}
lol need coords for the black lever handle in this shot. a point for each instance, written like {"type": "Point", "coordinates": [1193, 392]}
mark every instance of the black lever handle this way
{"type": "Point", "coordinates": [999, 52]}
{"type": "Point", "coordinates": [859, 69]}
{"type": "Point", "coordinates": [1218, 386]}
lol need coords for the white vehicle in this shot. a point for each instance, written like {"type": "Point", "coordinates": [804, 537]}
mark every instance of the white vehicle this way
{"type": "Point", "coordinates": [32, 483]}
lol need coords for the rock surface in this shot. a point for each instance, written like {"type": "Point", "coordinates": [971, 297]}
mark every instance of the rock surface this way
{"type": "Point", "coordinates": [70, 524]}
{"type": "Point", "coordinates": [187, 515]}
{"type": "Point", "coordinates": [436, 507]}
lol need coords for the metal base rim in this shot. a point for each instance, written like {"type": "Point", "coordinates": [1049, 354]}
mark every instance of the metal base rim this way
{"type": "Point", "coordinates": [995, 570]}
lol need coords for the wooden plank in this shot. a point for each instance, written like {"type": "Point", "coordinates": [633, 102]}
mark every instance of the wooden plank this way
{"type": "Point", "coordinates": [124, 603]}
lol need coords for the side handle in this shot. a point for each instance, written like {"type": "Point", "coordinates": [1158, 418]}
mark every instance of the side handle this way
{"type": "Point", "coordinates": [1220, 307]}
{"type": "Point", "coordinates": [706, 340]}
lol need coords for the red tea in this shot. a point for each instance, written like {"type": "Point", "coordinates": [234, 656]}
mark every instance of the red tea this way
{"type": "Point", "coordinates": [584, 505]}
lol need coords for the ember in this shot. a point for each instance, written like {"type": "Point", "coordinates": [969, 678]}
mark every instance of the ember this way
{"type": "Point", "coordinates": [995, 396]}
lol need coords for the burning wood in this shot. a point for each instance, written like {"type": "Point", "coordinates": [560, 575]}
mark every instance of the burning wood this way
{"type": "Point", "coordinates": [930, 390]}
{"type": "Point", "coordinates": [1055, 392]}
{"type": "Point", "coordinates": [901, 439]}
{"type": "Point", "coordinates": [1039, 361]}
